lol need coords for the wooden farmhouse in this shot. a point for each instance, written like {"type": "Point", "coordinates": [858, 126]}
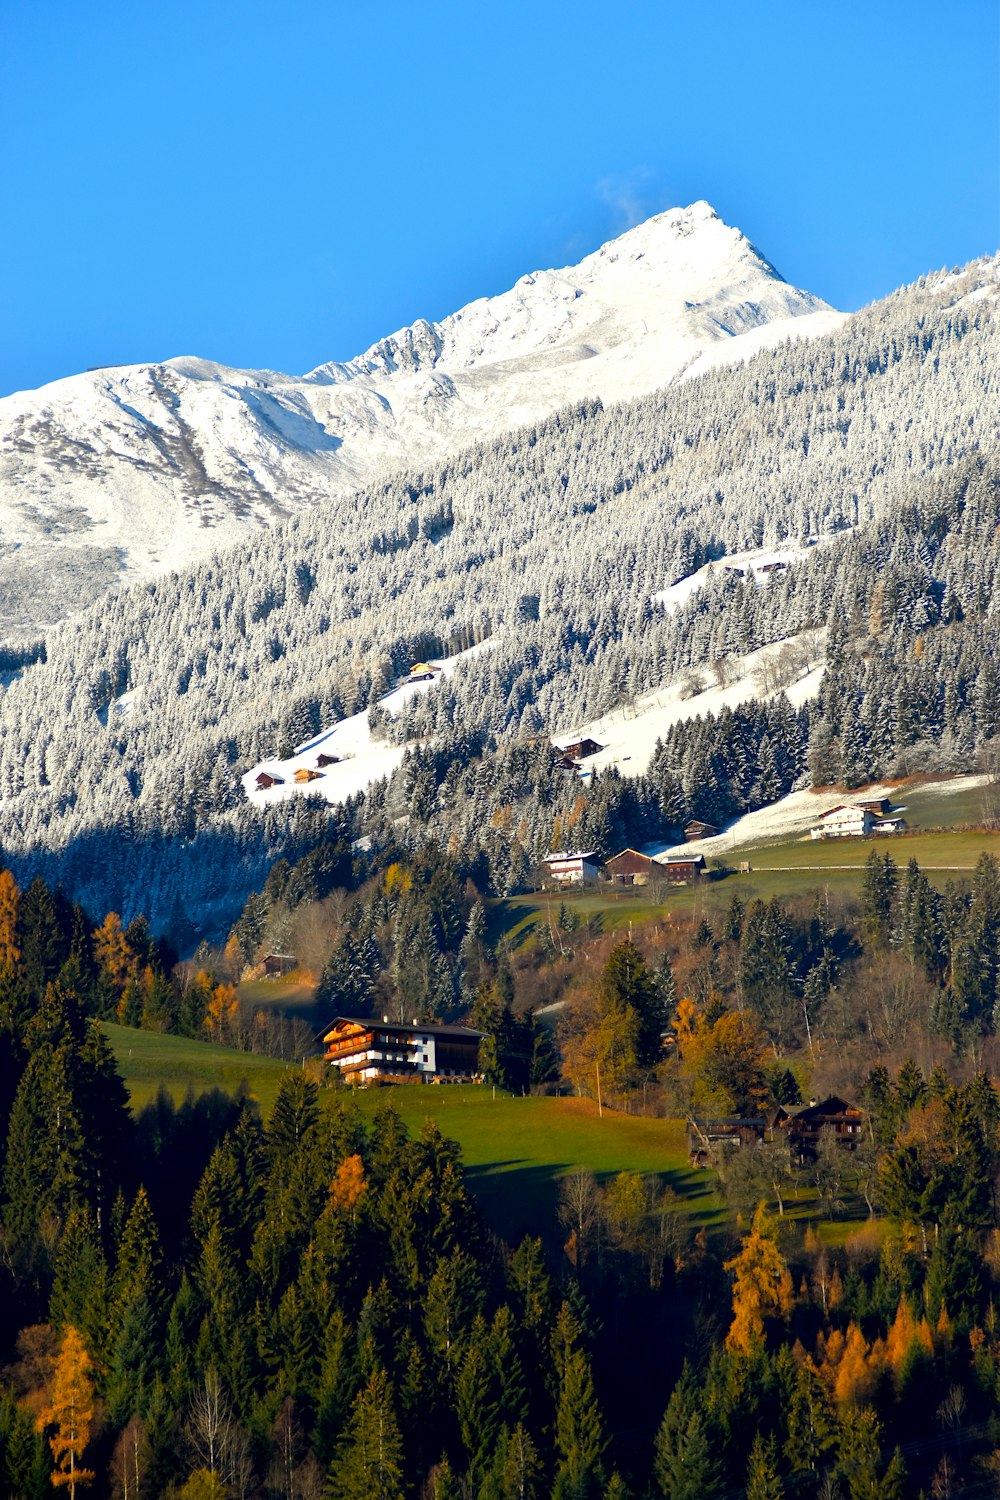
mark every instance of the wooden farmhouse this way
{"type": "Point", "coordinates": [368, 1051]}
{"type": "Point", "coordinates": [707, 1137]}
{"type": "Point", "coordinates": [567, 868]}
{"type": "Point", "coordinates": [698, 830]}
{"type": "Point", "coordinates": [580, 749]}
{"type": "Point", "coordinates": [803, 1127]}
{"type": "Point", "coordinates": [303, 774]}
{"type": "Point", "coordinates": [879, 807]}
{"type": "Point", "coordinates": [266, 780]}
{"type": "Point", "coordinates": [631, 867]}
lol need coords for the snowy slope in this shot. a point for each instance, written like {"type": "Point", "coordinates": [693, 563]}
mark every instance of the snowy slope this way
{"type": "Point", "coordinates": [362, 759]}
{"type": "Point", "coordinates": [628, 735]}
{"type": "Point", "coordinates": [133, 470]}
{"type": "Point", "coordinates": [759, 564]}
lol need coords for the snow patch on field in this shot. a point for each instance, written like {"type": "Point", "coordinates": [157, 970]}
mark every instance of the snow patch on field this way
{"type": "Point", "coordinates": [362, 759]}
{"type": "Point", "coordinates": [629, 734]}
{"type": "Point", "coordinates": [760, 565]}
{"type": "Point", "coordinates": [794, 815]}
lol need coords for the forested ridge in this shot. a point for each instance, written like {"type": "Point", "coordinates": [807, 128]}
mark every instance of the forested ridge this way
{"type": "Point", "coordinates": [195, 1303]}
{"type": "Point", "coordinates": [552, 544]}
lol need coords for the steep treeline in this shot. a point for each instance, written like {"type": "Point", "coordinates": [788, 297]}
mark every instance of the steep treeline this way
{"type": "Point", "coordinates": [551, 543]}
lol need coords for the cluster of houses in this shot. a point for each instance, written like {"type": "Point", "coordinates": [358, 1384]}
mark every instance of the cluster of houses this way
{"type": "Point", "coordinates": [568, 868]}
{"type": "Point", "coordinates": [302, 776]}
{"type": "Point", "coordinates": [858, 820]}
{"type": "Point", "coordinates": [801, 1128]}
{"type": "Point", "coordinates": [366, 1050]}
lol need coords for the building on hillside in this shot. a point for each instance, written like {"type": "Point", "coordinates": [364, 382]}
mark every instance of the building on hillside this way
{"type": "Point", "coordinates": [580, 749]}
{"type": "Point", "coordinates": [422, 671]}
{"type": "Point", "coordinates": [878, 806]}
{"type": "Point", "coordinates": [278, 963]}
{"type": "Point", "coordinates": [267, 779]}
{"type": "Point", "coordinates": [696, 829]}
{"type": "Point", "coordinates": [845, 821]}
{"type": "Point", "coordinates": [567, 868]}
{"type": "Point", "coordinates": [895, 824]}
{"type": "Point", "coordinates": [707, 1137]}
{"type": "Point", "coordinates": [632, 867]}
{"type": "Point", "coordinates": [803, 1127]}
{"type": "Point", "coordinates": [367, 1050]}
{"type": "Point", "coordinates": [327, 760]}
{"type": "Point", "coordinates": [303, 774]}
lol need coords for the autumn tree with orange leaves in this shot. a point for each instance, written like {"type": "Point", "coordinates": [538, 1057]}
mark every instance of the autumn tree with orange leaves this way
{"type": "Point", "coordinates": [10, 927]}
{"type": "Point", "coordinates": [70, 1410]}
{"type": "Point", "coordinates": [762, 1285]}
{"type": "Point", "coordinates": [348, 1186]}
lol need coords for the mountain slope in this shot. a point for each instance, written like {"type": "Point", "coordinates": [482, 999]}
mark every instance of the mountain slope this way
{"type": "Point", "coordinates": [142, 468]}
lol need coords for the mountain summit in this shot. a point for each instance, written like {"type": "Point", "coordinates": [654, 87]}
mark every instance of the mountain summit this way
{"type": "Point", "coordinates": [137, 469]}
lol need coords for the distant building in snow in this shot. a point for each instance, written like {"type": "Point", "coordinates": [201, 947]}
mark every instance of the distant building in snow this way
{"type": "Point", "coordinates": [698, 830]}
{"type": "Point", "coordinates": [327, 760]}
{"type": "Point", "coordinates": [266, 780]}
{"type": "Point", "coordinates": [304, 774]}
{"type": "Point", "coordinates": [422, 671]}
{"type": "Point", "coordinates": [580, 749]}
{"type": "Point", "coordinates": [566, 868]}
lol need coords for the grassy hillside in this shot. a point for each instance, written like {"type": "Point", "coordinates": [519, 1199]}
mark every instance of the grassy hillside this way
{"type": "Point", "coordinates": [149, 1061]}
{"type": "Point", "coordinates": [514, 1149]}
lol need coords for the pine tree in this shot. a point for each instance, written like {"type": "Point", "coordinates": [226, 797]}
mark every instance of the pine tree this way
{"type": "Point", "coordinates": [763, 1481]}
{"type": "Point", "coordinates": [368, 1463]}
{"type": "Point", "coordinates": [686, 1462]}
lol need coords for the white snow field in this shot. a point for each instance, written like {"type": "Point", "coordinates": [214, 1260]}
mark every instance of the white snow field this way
{"type": "Point", "coordinates": [629, 734]}
{"type": "Point", "coordinates": [362, 759]}
{"type": "Point", "coordinates": [137, 469]}
{"type": "Point", "coordinates": [793, 816]}
{"type": "Point", "coordinates": [759, 564]}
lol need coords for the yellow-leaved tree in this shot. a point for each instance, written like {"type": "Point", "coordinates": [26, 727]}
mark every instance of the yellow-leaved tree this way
{"type": "Point", "coordinates": [348, 1185]}
{"type": "Point", "coordinates": [762, 1286]}
{"type": "Point", "coordinates": [112, 952]}
{"type": "Point", "coordinates": [70, 1411]}
{"type": "Point", "coordinates": [222, 1011]}
{"type": "Point", "coordinates": [10, 936]}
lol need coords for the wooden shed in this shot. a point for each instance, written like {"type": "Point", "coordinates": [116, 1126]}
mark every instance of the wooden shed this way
{"type": "Point", "coordinates": [304, 774]}
{"type": "Point", "coordinates": [327, 760]}
{"type": "Point", "coordinates": [698, 830]}
{"type": "Point", "coordinates": [266, 780]}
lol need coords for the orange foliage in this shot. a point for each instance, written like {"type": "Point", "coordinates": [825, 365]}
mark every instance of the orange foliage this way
{"type": "Point", "coordinates": [70, 1411]}
{"type": "Point", "coordinates": [112, 952]}
{"type": "Point", "coordinates": [762, 1285]}
{"type": "Point", "coordinates": [850, 1366]}
{"type": "Point", "coordinates": [10, 908]}
{"type": "Point", "coordinates": [222, 1009]}
{"type": "Point", "coordinates": [348, 1185]}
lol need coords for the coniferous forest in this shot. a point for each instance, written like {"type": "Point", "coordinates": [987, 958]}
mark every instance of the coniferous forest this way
{"type": "Point", "coordinates": [196, 1301]}
{"type": "Point", "coordinates": [201, 1300]}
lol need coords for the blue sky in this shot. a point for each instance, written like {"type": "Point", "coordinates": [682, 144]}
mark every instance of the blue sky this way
{"type": "Point", "coordinates": [281, 185]}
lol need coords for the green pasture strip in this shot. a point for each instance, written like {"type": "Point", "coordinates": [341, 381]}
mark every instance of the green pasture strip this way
{"type": "Point", "coordinates": [149, 1061]}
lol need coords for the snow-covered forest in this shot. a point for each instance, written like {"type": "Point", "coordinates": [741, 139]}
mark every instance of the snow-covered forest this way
{"type": "Point", "coordinates": [123, 744]}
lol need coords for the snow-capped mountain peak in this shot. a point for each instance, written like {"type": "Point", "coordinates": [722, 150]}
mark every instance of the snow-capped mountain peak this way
{"type": "Point", "coordinates": [142, 467]}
